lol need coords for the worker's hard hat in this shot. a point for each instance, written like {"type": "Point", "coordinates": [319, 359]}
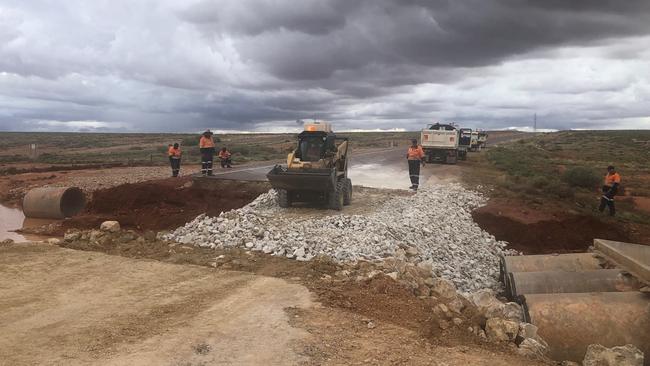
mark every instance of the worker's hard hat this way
{"type": "Point", "coordinates": [207, 132]}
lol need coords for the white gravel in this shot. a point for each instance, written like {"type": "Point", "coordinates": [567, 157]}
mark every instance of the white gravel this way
{"type": "Point", "coordinates": [433, 226]}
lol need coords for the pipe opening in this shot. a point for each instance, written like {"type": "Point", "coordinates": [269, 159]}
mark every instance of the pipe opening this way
{"type": "Point", "coordinates": [72, 202]}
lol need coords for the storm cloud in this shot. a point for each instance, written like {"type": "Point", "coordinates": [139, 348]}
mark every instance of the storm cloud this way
{"type": "Point", "coordinates": [367, 64]}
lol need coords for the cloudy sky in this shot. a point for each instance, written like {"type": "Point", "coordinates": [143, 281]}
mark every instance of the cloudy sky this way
{"type": "Point", "coordinates": [187, 65]}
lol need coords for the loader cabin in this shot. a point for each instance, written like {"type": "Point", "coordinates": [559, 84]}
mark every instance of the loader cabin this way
{"type": "Point", "coordinates": [316, 142]}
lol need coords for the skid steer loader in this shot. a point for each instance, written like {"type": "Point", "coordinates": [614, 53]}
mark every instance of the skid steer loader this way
{"type": "Point", "coordinates": [317, 170]}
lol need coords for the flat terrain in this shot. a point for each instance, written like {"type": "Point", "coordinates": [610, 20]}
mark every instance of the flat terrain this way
{"type": "Point", "coordinates": [154, 303]}
{"type": "Point", "coordinates": [93, 308]}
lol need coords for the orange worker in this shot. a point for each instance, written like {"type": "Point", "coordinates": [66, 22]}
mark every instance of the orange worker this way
{"type": "Point", "coordinates": [224, 156]}
{"type": "Point", "coordinates": [610, 188]}
{"type": "Point", "coordinates": [175, 159]}
{"type": "Point", "coordinates": [415, 156]}
{"type": "Point", "coordinates": [206, 145]}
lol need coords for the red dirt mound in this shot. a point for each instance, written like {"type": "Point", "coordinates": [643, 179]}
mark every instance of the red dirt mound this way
{"type": "Point", "coordinates": [162, 204]}
{"type": "Point", "coordinates": [570, 234]}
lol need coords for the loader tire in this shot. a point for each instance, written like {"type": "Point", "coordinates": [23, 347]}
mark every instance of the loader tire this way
{"type": "Point", "coordinates": [335, 198]}
{"type": "Point", "coordinates": [283, 198]}
{"type": "Point", "coordinates": [347, 193]}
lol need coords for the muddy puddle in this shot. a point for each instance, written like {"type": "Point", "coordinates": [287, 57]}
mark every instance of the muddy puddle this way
{"type": "Point", "coordinates": [12, 218]}
{"type": "Point", "coordinates": [396, 176]}
{"type": "Point", "coordinates": [380, 176]}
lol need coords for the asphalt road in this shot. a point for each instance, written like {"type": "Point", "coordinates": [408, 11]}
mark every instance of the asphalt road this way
{"type": "Point", "coordinates": [368, 166]}
{"type": "Point", "coordinates": [257, 172]}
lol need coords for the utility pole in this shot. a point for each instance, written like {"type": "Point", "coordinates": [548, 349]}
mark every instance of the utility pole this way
{"type": "Point", "coordinates": [535, 123]}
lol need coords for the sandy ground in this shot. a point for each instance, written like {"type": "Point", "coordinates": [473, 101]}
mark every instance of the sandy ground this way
{"type": "Point", "coordinates": [93, 308]}
{"type": "Point", "coordinates": [109, 310]}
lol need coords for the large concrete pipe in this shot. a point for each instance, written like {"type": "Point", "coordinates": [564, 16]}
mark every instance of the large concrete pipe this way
{"type": "Point", "coordinates": [547, 262]}
{"type": "Point", "coordinates": [550, 282]}
{"type": "Point", "coordinates": [571, 322]}
{"type": "Point", "coordinates": [53, 203]}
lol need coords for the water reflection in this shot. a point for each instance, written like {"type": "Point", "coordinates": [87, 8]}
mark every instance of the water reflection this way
{"type": "Point", "coordinates": [380, 176]}
{"type": "Point", "coordinates": [12, 218]}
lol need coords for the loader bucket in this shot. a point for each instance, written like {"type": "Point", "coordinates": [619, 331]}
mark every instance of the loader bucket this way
{"type": "Point", "coordinates": [315, 180]}
{"type": "Point", "coordinates": [570, 322]}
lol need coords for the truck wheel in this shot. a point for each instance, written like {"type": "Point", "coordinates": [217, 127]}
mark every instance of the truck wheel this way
{"type": "Point", "coordinates": [283, 198]}
{"type": "Point", "coordinates": [347, 193]}
{"type": "Point", "coordinates": [335, 198]}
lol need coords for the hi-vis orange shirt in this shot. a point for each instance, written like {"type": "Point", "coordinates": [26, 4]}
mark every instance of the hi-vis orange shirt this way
{"type": "Point", "coordinates": [610, 179]}
{"type": "Point", "coordinates": [224, 154]}
{"type": "Point", "coordinates": [415, 153]}
{"type": "Point", "coordinates": [169, 151]}
{"type": "Point", "coordinates": [175, 153]}
{"type": "Point", "coordinates": [206, 142]}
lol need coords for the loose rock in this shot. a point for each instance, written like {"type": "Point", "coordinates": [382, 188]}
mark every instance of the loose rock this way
{"type": "Point", "coordinates": [532, 348]}
{"type": "Point", "coordinates": [110, 226]}
{"type": "Point", "coordinates": [498, 329]}
{"type": "Point", "coordinates": [627, 355]}
{"type": "Point", "coordinates": [453, 246]}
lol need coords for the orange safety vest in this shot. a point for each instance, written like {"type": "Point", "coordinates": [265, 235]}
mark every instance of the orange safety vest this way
{"type": "Point", "coordinates": [175, 153]}
{"type": "Point", "coordinates": [415, 153]}
{"type": "Point", "coordinates": [610, 179]}
{"type": "Point", "coordinates": [206, 142]}
{"type": "Point", "coordinates": [169, 151]}
{"type": "Point", "coordinates": [224, 154]}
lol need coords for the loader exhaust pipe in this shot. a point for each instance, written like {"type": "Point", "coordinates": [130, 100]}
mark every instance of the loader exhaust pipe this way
{"type": "Point", "coordinates": [53, 202]}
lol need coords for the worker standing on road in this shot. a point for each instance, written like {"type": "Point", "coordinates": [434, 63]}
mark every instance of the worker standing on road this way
{"type": "Point", "coordinates": [610, 188]}
{"type": "Point", "coordinates": [175, 159]}
{"type": "Point", "coordinates": [206, 145]}
{"type": "Point", "coordinates": [415, 156]}
{"type": "Point", "coordinates": [224, 156]}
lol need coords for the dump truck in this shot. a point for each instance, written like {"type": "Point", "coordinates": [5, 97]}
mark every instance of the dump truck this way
{"type": "Point", "coordinates": [473, 144]}
{"type": "Point", "coordinates": [464, 142]}
{"type": "Point", "coordinates": [317, 170]}
{"type": "Point", "coordinates": [440, 143]}
{"type": "Point", "coordinates": [482, 139]}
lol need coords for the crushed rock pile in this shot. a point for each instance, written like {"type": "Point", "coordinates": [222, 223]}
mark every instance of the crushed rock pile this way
{"type": "Point", "coordinates": [433, 227]}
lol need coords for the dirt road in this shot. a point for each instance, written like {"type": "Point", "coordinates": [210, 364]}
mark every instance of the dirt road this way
{"type": "Point", "coordinates": [61, 306]}
{"type": "Point", "coordinates": [68, 307]}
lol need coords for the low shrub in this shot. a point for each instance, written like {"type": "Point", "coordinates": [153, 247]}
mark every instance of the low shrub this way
{"type": "Point", "coordinates": [581, 177]}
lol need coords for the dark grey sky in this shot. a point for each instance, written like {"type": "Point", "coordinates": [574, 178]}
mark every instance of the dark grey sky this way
{"type": "Point", "coordinates": [367, 64]}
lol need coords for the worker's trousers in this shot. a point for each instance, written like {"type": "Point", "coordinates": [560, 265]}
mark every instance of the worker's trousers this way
{"type": "Point", "coordinates": [414, 172]}
{"type": "Point", "coordinates": [607, 200]}
{"type": "Point", "coordinates": [207, 154]}
{"type": "Point", "coordinates": [176, 165]}
{"type": "Point", "coordinates": [225, 162]}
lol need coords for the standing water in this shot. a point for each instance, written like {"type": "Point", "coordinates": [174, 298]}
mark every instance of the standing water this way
{"type": "Point", "coordinates": [380, 176]}
{"type": "Point", "coordinates": [13, 219]}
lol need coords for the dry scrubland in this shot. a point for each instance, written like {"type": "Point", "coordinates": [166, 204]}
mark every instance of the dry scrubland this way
{"type": "Point", "coordinates": [151, 149]}
{"type": "Point", "coordinates": [566, 169]}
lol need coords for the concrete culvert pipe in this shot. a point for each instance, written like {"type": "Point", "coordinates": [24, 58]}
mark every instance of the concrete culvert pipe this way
{"type": "Point", "coordinates": [571, 322]}
{"type": "Point", "coordinates": [53, 203]}
{"type": "Point", "coordinates": [550, 282]}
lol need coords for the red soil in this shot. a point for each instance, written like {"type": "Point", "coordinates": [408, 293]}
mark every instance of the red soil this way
{"type": "Point", "coordinates": [569, 234]}
{"type": "Point", "coordinates": [162, 204]}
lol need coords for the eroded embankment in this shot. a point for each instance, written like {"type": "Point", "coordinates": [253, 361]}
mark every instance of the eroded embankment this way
{"type": "Point", "coordinates": [573, 233]}
{"type": "Point", "coordinates": [163, 204]}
